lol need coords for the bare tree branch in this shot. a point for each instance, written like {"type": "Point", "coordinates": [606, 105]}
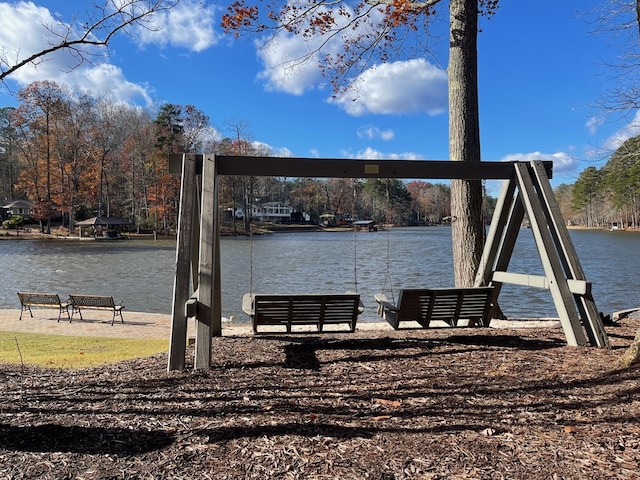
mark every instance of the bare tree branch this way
{"type": "Point", "coordinates": [106, 21]}
{"type": "Point", "coordinates": [619, 22]}
{"type": "Point", "coordinates": [415, 6]}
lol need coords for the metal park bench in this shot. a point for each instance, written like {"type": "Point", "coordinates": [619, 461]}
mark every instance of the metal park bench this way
{"type": "Point", "coordinates": [448, 305]}
{"type": "Point", "coordinates": [291, 310]}
{"type": "Point", "coordinates": [99, 302]}
{"type": "Point", "coordinates": [47, 300]}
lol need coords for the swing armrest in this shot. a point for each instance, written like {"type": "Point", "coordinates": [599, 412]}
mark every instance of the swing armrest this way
{"type": "Point", "coordinates": [247, 304]}
{"type": "Point", "coordinates": [381, 298]}
{"type": "Point", "coordinates": [360, 304]}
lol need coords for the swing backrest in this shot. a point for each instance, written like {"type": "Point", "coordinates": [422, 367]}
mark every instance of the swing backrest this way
{"type": "Point", "coordinates": [291, 310]}
{"type": "Point", "coordinates": [449, 305]}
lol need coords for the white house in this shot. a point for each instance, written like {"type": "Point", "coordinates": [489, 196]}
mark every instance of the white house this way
{"type": "Point", "coordinates": [275, 212]}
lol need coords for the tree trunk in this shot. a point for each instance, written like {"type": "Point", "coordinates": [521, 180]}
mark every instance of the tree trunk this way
{"type": "Point", "coordinates": [467, 227]}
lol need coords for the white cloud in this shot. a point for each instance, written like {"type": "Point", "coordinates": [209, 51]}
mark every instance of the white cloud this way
{"type": "Point", "coordinates": [372, 154]}
{"type": "Point", "coordinates": [412, 86]}
{"type": "Point", "coordinates": [563, 163]}
{"type": "Point", "coordinates": [292, 62]}
{"type": "Point", "coordinates": [592, 124]}
{"type": "Point", "coordinates": [284, 70]}
{"type": "Point", "coordinates": [282, 152]}
{"type": "Point", "coordinates": [630, 130]}
{"type": "Point", "coordinates": [370, 132]}
{"type": "Point", "coordinates": [267, 150]}
{"type": "Point", "coordinates": [189, 25]}
{"type": "Point", "coordinates": [108, 78]}
{"type": "Point", "coordinates": [26, 29]}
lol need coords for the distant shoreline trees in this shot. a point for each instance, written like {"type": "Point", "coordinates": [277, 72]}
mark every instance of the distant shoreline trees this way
{"type": "Point", "coordinates": [76, 157]}
{"type": "Point", "coordinates": [609, 195]}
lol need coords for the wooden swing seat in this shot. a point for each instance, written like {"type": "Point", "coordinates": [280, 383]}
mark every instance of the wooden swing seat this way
{"type": "Point", "coordinates": [294, 310]}
{"type": "Point", "coordinates": [453, 307]}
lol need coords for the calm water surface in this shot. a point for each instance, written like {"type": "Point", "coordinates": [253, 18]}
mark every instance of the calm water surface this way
{"type": "Point", "coordinates": [140, 272]}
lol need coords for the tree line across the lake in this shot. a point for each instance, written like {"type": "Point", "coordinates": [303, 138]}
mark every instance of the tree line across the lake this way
{"type": "Point", "coordinates": [75, 156]}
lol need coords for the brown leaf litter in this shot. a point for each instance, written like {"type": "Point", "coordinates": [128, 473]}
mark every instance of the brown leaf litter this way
{"type": "Point", "coordinates": [409, 404]}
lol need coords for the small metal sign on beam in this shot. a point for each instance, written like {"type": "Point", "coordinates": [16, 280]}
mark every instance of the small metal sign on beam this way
{"type": "Point", "coordinates": [526, 189]}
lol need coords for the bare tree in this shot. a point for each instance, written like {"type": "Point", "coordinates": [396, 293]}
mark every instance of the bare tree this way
{"type": "Point", "coordinates": [619, 20]}
{"type": "Point", "coordinates": [97, 30]}
{"type": "Point", "coordinates": [623, 17]}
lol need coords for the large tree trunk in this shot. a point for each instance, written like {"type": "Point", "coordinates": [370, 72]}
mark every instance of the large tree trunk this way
{"type": "Point", "coordinates": [464, 140]}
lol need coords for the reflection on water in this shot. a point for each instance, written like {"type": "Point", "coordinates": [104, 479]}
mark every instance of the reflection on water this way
{"type": "Point", "coordinates": [140, 272]}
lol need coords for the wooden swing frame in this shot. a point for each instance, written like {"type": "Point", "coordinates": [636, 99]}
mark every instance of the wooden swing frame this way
{"type": "Point", "coordinates": [526, 190]}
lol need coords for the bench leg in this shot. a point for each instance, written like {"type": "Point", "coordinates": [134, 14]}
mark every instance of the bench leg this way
{"type": "Point", "coordinates": [64, 309]}
{"type": "Point", "coordinates": [75, 310]}
{"type": "Point", "coordinates": [119, 313]}
{"type": "Point", "coordinates": [24, 309]}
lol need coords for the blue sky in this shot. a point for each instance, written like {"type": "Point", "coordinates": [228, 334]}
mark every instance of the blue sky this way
{"type": "Point", "coordinates": [541, 73]}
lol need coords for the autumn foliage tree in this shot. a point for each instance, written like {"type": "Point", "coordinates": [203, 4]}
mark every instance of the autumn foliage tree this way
{"type": "Point", "coordinates": [35, 123]}
{"type": "Point", "coordinates": [373, 31]}
{"type": "Point", "coordinates": [76, 156]}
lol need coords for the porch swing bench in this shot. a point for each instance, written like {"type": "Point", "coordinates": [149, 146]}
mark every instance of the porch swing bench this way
{"type": "Point", "coordinates": [453, 307]}
{"type": "Point", "coordinates": [299, 310]}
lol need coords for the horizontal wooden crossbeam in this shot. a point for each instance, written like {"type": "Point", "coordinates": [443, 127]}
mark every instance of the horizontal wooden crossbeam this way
{"type": "Point", "coordinates": [578, 287]}
{"type": "Point", "coordinates": [347, 168]}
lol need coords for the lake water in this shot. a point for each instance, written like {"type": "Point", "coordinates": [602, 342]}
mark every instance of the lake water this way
{"type": "Point", "coordinates": [140, 272]}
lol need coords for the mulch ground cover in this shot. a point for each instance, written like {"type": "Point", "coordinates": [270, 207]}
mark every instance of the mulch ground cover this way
{"type": "Point", "coordinates": [411, 404]}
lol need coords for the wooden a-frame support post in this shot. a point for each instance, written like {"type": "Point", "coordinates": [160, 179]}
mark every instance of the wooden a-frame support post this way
{"type": "Point", "coordinates": [526, 190]}
{"type": "Point", "coordinates": [197, 263]}
{"type": "Point", "coordinates": [530, 192]}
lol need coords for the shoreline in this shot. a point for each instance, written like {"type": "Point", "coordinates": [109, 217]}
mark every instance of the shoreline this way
{"type": "Point", "coordinates": [57, 234]}
{"type": "Point", "coordinates": [97, 323]}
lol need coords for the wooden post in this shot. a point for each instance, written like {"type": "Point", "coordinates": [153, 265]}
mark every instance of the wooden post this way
{"type": "Point", "coordinates": [558, 284]}
{"type": "Point", "coordinates": [216, 294]}
{"type": "Point", "coordinates": [500, 240]}
{"type": "Point", "coordinates": [178, 340]}
{"type": "Point", "coordinates": [586, 305]}
{"type": "Point", "coordinates": [206, 266]}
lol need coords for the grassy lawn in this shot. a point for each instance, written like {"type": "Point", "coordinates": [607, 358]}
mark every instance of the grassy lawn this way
{"type": "Point", "coordinates": [58, 351]}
